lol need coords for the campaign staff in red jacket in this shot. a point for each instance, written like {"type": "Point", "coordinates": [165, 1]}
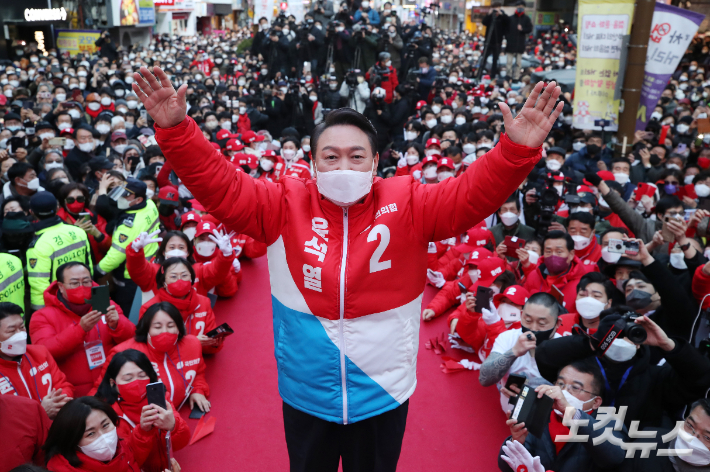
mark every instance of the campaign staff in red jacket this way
{"type": "Point", "coordinates": [78, 337]}
{"type": "Point", "coordinates": [333, 269]}
{"type": "Point", "coordinates": [24, 430]}
{"type": "Point", "coordinates": [124, 388]}
{"type": "Point", "coordinates": [580, 226]}
{"type": "Point", "coordinates": [594, 294]}
{"type": "Point", "coordinates": [160, 335]}
{"type": "Point", "coordinates": [207, 241]}
{"type": "Point", "coordinates": [29, 370]}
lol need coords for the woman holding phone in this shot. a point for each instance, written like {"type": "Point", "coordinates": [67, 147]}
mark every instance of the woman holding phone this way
{"type": "Point", "coordinates": [124, 388]}
{"type": "Point", "coordinates": [74, 210]}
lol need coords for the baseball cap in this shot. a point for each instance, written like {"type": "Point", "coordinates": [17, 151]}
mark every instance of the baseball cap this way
{"type": "Point", "coordinates": [557, 150]}
{"type": "Point", "coordinates": [433, 142]}
{"type": "Point", "coordinates": [270, 154]}
{"type": "Point", "coordinates": [433, 158]}
{"type": "Point", "coordinates": [234, 145]}
{"type": "Point", "coordinates": [477, 237]}
{"type": "Point", "coordinates": [189, 217]}
{"type": "Point", "coordinates": [100, 163]}
{"type": "Point", "coordinates": [446, 162]}
{"type": "Point", "coordinates": [250, 137]}
{"type": "Point", "coordinates": [196, 205]}
{"type": "Point", "coordinates": [420, 104]}
{"type": "Point", "coordinates": [66, 131]}
{"type": "Point", "coordinates": [205, 227]}
{"type": "Point", "coordinates": [212, 220]}
{"type": "Point", "coordinates": [118, 135]}
{"type": "Point", "coordinates": [478, 255]}
{"type": "Point", "coordinates": [245, 160]}
{"type": "Point", "coordinates": [490, 269]}
{"type": "Point", "coordinates": [168, 195]}
{"type": "Point", "coordinates": [514, 293]}
{"type": "Point", "coordinates": [225, 134]}
{"type": "Point", "coordinates": [43, 204]}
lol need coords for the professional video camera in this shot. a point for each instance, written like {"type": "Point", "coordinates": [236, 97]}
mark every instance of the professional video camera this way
{"type": "Point", "coordinates": [351, 77]}
{"type": "Point", "coordinates": [549, 198]}
{"type": "Point", "coordinates": [379, 75]}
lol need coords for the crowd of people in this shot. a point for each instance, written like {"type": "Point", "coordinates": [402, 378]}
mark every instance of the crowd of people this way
{"type": "Point", "coordinates": [591, 243]}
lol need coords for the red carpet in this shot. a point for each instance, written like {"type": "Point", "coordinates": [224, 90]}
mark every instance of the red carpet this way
{"type": "Point", "coordinates": [454, 424]}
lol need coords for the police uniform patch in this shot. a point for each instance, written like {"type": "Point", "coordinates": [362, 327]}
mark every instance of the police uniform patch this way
{"type": "Point", "coordinates": [33, 263]}
{"type": "Point", "coordinates": [122, 238]}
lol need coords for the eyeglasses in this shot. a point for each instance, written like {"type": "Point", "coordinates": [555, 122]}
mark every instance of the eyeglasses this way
{"type": "Point", "coordinates": [75, 284]}
{"type": "Point", "coordinates": [79, 199]}
{"type": "Point", "coordinates": [573, 389]}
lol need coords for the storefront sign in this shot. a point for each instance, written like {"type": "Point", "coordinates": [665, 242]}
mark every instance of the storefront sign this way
{"type": "Point", "coordinates": [45, 14]}
{"type": "Point", "coordinates": [77, 41]}
{"type": "Point", "coordinates": [137, 12]}
{"type": "Point", "coordinates": [164, 2]}
{"type": "Point", "coordinates": [602, 26]}
{"type": "Point", "coordinates": [671, 32]}
{"type": "Point", "coordinates": [546, 18]}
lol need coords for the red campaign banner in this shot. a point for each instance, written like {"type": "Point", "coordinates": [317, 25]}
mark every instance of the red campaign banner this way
{"type": "Point", "coordinates": [164, 2]}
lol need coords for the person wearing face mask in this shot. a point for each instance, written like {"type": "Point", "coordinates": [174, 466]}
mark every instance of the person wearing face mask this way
{"type": "Point", "coordinates": [175, 284]}
{"type": "Point", "coordinates": [124, 388]}
{"type": "Point", "coordinates": [586, 159]}
{"type": "Point", "coordinates": [344, 199]}
{"type": "Point", "coordinates": [595, 293]}
{"type": "Point", "coordinates": [203, 62]}
{"type": "Point", "coordinates": [426, 78]}
{"type": "Point", "coordinates": [18, 359]}
{"type": "Point", "coordinates": [410, 163]}
{"type": "Point", "coordinates": [366, 15]}
{"type": "Point", "coordinates": [271, 166]}
{"type": "Point", "coordinates": [209, 245]}
{"type": "Point", "coordinates": [138, 214]}
{"type": "Point", "coordinates": [559, 266]}
{"type": "Point", "coordinates": [22, 183]}
{"type": "Point", "coordinates": [293, 157]}
{"type": "Point", "coordinates": [71, 330]}
{"type": "Point", "coordinates": [83, 151]}
{"type": "Point", "coordinates": [579, 387]}
{"type": "Point", "coordinates": [515, 350]}
{"type": "Point", "coordinates": [510, 225]}
{"type": "Point", "coordinates": [555, 159]}
{"type": "Point", "coordinates": [384, 69]}
{"type": "Point", "coordinates": [480, 330]}
{"type": "Point", "coordinates": [632, 376]}
{"type": "Point", "coordinates": [580, 225]}
{"type": "Point", "coordinates": [74, 210]}
{"type": "Point", "coordinates": [445, 169]}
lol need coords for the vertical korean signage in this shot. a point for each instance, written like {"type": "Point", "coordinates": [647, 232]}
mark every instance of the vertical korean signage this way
{"type": "Point", "coordinates": [671, 32]}
{"type": "Point", "coordinates": [602, 27]}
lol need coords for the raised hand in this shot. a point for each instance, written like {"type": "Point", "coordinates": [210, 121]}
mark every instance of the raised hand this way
{"type": "Point", "coordinates": [144, 239]}
{"type": "Point", "coordinates": [166, 106]}
{"type": "Point", "coordinates": [535, 120]}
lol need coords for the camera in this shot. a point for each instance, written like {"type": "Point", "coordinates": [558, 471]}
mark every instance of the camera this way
{"type": "Point", "coordinates": [351, 77]}
{"type": "Point", "coordinates": [633, 332]}
{"type": "Point", "coordinates": [619, 246]}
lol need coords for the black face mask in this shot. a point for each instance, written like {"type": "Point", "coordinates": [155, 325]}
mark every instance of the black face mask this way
{"type": "Point", "coordinates": [593, 149]}
{"type": "Point", "coordinates": [654, 160]}
{"type": "Point", "coordinates": [540, 336]}
{"type": "Point", "coordinates": [638, 299]}
{"type": "Point", "coordinates": [166, 210]}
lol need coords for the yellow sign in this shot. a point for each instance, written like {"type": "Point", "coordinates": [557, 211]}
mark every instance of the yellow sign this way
{"type": "Point", "coordinates": [602, 26]}
{"type": "Point", "coordinates": [77, 41]}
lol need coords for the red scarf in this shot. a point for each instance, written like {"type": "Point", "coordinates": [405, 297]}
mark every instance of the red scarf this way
{"type": "Point", "coordinates": [186, 306]}
{"type": "Point", "coordinates": [557, 429]}
{"type": "Point", "coordinates": [131, 411]}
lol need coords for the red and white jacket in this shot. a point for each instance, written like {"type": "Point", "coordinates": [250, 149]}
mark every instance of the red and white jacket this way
{"type": "Point", "coordinates": [346, 284]}
{"type": "Point", "coordinates": [34, 375]}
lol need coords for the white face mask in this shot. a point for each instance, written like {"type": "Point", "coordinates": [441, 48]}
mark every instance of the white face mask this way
{"type": "Point", "coordinates": [176, 253]}
{"type": "Point", "coordinates": [86, 147]}
{"type": "Point", "coordinates": [436, 109]}
{"type": "Point", "coordinates": [190, 232]}
{"type": "Point", "coordinates": [119, 148]}
{"type": "Point", "coordinates": [580, 242]}
{"type": "Point", "coordinates": [469, 148]}
{"type": "Point", "coordinates": [205, 248]}
{"type": "Point", "coordinates": [226, 125]}
{"type": "Point", "coordinates": [621, 350]}
{"type": "Point", "coordinates": [123, 204]}
{"type": "Point", "coordinates": [702, 190]}
{"type": "Point", "coordinates": [441, 176]}
{"type": "Point", "coordinates": [610, 257]}
{"type": "Point", "coordinates": [509, 313]}
{"type": "Point", "coordinates": [410, 135]}
{"type": "Point", "coordinates": [431, 123]}
{"type": "Point", "coordinates": [242, 110]}
{"type": "Point", "coordinates": [412, 159]}
{"type": "Point", "coordinates": [446, 119]}
{"type": "Point", "coordinates": [460, 120]}
{"type": "Point", "coordinates": [429, 173]}
{"type": "Point", "coordinates": [15, 345]}
{"type": "Point", "coordinates": [103, 448]}
{"type": "Point", "coordinates": [103, 128]}
{"type": "Point", "coordinates": [682, 128]}
{"type": "Point", "coordinates": [63, 126]}
{"type": "Point", "coordinates": [46, 135]}
{"type": "Point", "coordinates": [589, 308]}
{"type": "Point", "coordinates": [621, 177]}
{"type": "Point", "coordinates": [149, 193]}
{"type": "Point", "coordinates": [266, 164]}
{"type": "Point", "coordinates": [533, 257]}
{"type": "Point", "coordinates": [69, 145]}
{"type": "Point", "coordinates": [344, 187]}
{"type": "Point", "coordinates": [700, 456]}
{"type": "Point", "coordinates": [509, 218]}
{"type": "Point", "coordinates": [678, 261]}
{"type": "Point", "coordinates": [306, 148]}
{"type": "Point", "coordinates": [553, 165]}
{"type": "Point", "coordinates": [106, 101]}
{"type": "Point", "coordinates": [74, 113]}
{"type": "Point", "coordinates": [53, 165]}
{"type": "Point", "coordinates": [60, 97]}
{"type": "Point", "coordinates": [288, 154]}
{"type": "Point", "coordinates": [474, 275]}
{"type": "Point", "coordinates": [574, 402]}
{"type": "Point", "coordinates": [688, 179]}
{"type": "Point", "coordinates": [656, 116]}
{"type": "Point", "coordinates": [132, 104]}
{"type": "Point", "coordinates": [431, 152]}
{"type": "Point", "coordinates": [33, 184]}
{"type": "Point", "coordinates": [578, 146]}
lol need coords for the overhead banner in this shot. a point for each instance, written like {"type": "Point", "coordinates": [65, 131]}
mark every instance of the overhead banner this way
{"type": "Point", "coordinates": [671, 32]}
{"type": "Point", "coordinates": [263, 8]}
{"type": "Point", "coordinates": [77, 41]}
{"type": "Point", "coordinates": [602, 27]}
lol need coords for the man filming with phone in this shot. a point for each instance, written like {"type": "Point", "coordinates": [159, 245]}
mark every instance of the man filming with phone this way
{"type": "Point", "coordinates": [334, 298]}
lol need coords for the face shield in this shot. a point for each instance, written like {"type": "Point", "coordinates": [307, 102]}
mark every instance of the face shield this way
{"type": "Point", "coordinates": [120, 191]}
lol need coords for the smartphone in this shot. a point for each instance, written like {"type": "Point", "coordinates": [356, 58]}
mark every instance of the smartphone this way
{"type": "Point", "coordinates": [156, 394]}
{"type": "Point", "coordinates": [704, 204]}
{"type": "Point", "coordinates": [512, 244]}
{"type": "Point", "coordinates": [100, 299]}
{"type": "Point", "coordinates": [484, 295]}
{"type": "Point", "coordinates": [58, 142]}
{"type": "Point", "coordinates": [28, 104]}
{"type": "Point", "coordinates": [515, 379]}
{"type": "Point", "coordinates": [85, 216]}
{"type": "Point", "coordinates": [221, 331]}
{"type": "Point", "coordinates": [196, 413]}
{"type": "Point", "coordinates": [463, 288]}
{"type": "Point", "coordinates": [559, 296]}
{"type": "Point", "coordinates": [144, 114]}
{"type": "Point", "coordinates": [644, 189]}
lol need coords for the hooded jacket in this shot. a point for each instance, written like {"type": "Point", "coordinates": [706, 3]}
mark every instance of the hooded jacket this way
{"type": "Point", "coordinates": [58, 329]}
{"type": "Point", "coordinates": [346, 284]}
{"type": "Point", "coordinates": [537, 280]}
{"type": "Point", "coordinates": [125, 460]}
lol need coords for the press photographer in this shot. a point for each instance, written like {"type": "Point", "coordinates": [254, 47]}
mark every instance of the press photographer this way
{"type": "Point", "coordinates": [382, 74]}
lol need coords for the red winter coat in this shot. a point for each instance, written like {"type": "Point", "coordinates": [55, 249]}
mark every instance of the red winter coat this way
{"type": "Point", "coordinates": [98, 248]}
{"type": "Point", "coordinates": [410, 170]}
{"type": "Point", "coordinates": [58, 328]}
{"type": "Point", "coordinates": [300, 169]}
{"type": "Point", "coordinates": [701, 286]}
{"type": "Point", "coordinates": [368, 269]}
{"type": "Point", "coordinates": [129, 427]}
{"type": "Point", "coordinates": [449, 295]}
{"type": "Point", "coordinates": [567, 282]}
{"type": "Point", "coordinates": [34, 376]}
{"type": "Point", "coordinates": [176, 369]}
{"type": "Point", "coordinates": [590, 255]}
{"type": "Point", "coordinates": [196, 311]}
{"type": "Point", "coordinates": [24, 429]}
{"type": "Point", "coordinates": [476, 333]}
{"type": "Point", "coordinates": [247, 247]}
{"type": "Point", "coordinates": [205, 66]}
{"type": "Point", "coordinates": [567, 322]}
{"type": "Point", "coordinates": [243, 124]}
{"type": "Point", "coordinates": [127, 459]}
{"type": "Point", "coordinates": [229, 281]}
{"type": "Point", "coordinates": [389, 85]}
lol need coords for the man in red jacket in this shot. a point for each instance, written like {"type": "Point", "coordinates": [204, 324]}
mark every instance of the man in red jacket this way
{"type": "Point", "coordinates": [343, 293]}
{"type": "Point", "coordinates": [78, 337]}
{"type": "Point", "coordinates": [24, 430]}
{"type": "Point", "coordinates": [29, 370]}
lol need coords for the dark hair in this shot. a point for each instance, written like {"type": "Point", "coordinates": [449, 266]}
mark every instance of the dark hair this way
{"type": "Point", "coordinates": [8, 309]}
{"type": "Point", "coordinates": [417, 147]}
{"type": "Point", "coordinates": [588, 366]}
{"type": "Point", "coordinates": [18, 170]}
{"type": "Point", "coordinates": [546, 300]}
{"type": "Point", "coordinates": [168, 263]}
{"type": "Point", "coordinates": [614, 229]}
{"type": "Point", "coordinates": [582, 217]}
{"type": "Point", "coordinates": [638, 275]}
{"type": "Point", "coordinates": [666, 203]}
{"type": "Point", "coordinates": [349, 117]}
{"type": "Point", "coordinates": [559, 235]}
{"type": "Point", "coordinates": [452, 151]}
{"type": "Point", "coordinates": [66, 189]}
{"type": "Point", "coordinates": [620, 159]}
{"type": "Point", "coordinates": [704, 403]}
{"type": "Point", "coordinates": [143, 325]}
{"type": "Point", "coordinates": [160, 253]}
{"type": "Point", "coordinates": [69, 265]}
{"type": "Point", "coordinates": [514, 198]}
{"type": "Point", "coordinates": [108, 392]}
{"type": "Point", "coordinates": [597, 278]}
{"type": "Point", "coordinates": [21, 201]}
{"type": "Point", "coordinates": [416, 125]}
{"type": "Point", "coordinates": [506, 279]}
{"type": "Point", "coordinates": [69, 426]}
{"type": "Point", "coordinates": [29, 468]}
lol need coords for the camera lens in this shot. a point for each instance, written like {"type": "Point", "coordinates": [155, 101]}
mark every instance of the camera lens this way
{"type": "Point", "coordinates": [635, 333]}
{"type": "Point", "coordinates": [618, 247]}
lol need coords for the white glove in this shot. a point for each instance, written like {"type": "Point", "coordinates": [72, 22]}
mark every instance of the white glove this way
{"type": "Point", "coordinates": [450, 241]}
{"type": "Point", "coordinates": [454, 341]}
{"type": "Point", "coordinates": [490, 316]}
{"type": "Point", "coordinates": [223, 242]}
{"type": "Point", "coordinates": [144, 239]}
{"type": "Point", "coordinates": [236, 265]}
{"type": "Point", "coordinates": [470, 365]}
{"type": "Point", "coordinates": [432, 248]}
{"type": "Point", "coordinates": [402, 162]}
{"type": "Point", "coordinates": [462, 298]}
{"type": "Point", "coordinates": [435, 278]}
{"type": "Point", "coordinates": [515, 455]}
{"type": "Point", "coordinates": [417, 175]}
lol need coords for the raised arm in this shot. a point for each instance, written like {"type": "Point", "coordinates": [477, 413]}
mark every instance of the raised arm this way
{"type": "Point", "coordinates": [243, 204]}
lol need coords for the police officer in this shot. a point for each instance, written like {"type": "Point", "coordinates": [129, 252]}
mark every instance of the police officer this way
{"type": "Point", "coordinates": [12, 280]}
{"type": "Point", "coordinates": [55, 243]}
{"type": "Point", "coordinates": [139, 214]}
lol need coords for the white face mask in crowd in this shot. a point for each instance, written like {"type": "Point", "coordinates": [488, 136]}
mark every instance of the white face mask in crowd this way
{"type": "Point", "coordinates": [702, 190]}
{"type": "Point", "coordinates": [175, 253]}
{"type": "Point", "coordinates": [344, 187]}
{"type": "Point", "coordinates": [509, 218]}
{"type": "Point", "coordinates": [410, 135]}
{"type": "Point", "coordinates": [15, 345]}
{"type": "Point", "coordinates": [610, 257]}
{"type": "Point", "coordinates": [575, 403]}
{"type": "Point", "coordinates": [412, 159]}
{"type": "Point", "coordinates": [429, 173]}
{"type": "Point", "coordinates": [578, 146]}
{"type": "Point", "coordinates": [266, 164]}
{"type": "Point", "coordinates": [509, 313]}
{"type": "Point", "coordinates": [446, 119]}
{"type": "Point", "coordinates": [86, 147]}
{"type": "Point", "coordinates": [469, 148]}
{"type": "Point", "coordinates": [621, 177]}
{"type": "Point", "coordinates": [700, 456]}
{"type": "Point", "coordinates": [589, 308]}
{"type": "Point", "coordinates": [580, 242]}
{"type": "Point", "coordinates": [677, 260]}
{"type": "Point", "coordinates": [553, 165]}
{"type": "Point", "coordinates": [205, 248]}
{"type": "Point", "coordinates": [447, 174]}
{"type": "Point", "coordinates": [431, 123]}
{"type": "Point", "coordinates": [436, 109]}
{"type": "Point", "coordinates": [621, 350]}
{"type": "Point", "coordinates": [288, 154]}
{"type": "Point", "coordinates": [103, 448]}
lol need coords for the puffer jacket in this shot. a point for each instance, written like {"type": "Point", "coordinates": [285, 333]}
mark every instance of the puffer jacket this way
{"type": "Point", "coordinates": [346, 284]}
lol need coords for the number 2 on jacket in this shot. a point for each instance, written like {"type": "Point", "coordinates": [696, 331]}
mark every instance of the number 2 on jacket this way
{"type": "Point", "coordinates": [375, 264]}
